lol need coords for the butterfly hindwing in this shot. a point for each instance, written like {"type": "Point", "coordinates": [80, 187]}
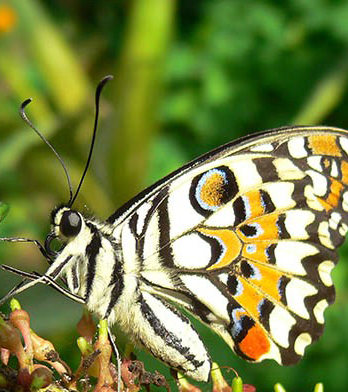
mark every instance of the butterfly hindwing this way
{"type": "Point", "coordinates": [245, 238]}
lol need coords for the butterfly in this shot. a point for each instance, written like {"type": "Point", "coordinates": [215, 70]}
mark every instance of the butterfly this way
{"type": "Point", "coordinates": [243, 237]}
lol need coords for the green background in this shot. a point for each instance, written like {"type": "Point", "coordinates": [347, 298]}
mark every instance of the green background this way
{"type": "Point", "coordinates": [189, 76]}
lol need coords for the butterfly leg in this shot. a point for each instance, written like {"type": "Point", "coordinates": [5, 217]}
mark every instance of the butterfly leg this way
{"type": "Point", "coordinates": [118, 358]}
{"type": "Point", "coordinates": [33, 276]}
{"type": "Point", "coordinates": [53, 272]}
{"type": "Point", "coordinates": [21, 287]}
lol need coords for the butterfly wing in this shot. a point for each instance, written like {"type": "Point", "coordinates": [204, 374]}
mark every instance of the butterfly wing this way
{"type": "Point", "coordinates": [245, 238]}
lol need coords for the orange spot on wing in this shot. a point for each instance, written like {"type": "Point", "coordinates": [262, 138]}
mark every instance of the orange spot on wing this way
{"type": "Point", "coordinates": [344, 170]}
{"type": "Point", "coordinates": [212, 190]}
{"type": "Point", "coordinates": [334, 196]}
{"type": "Point", "coordinates": [255, 344]}
{"type": "Point", "coordinates": [254, 198]}
{"type": "Point", "coordinates": [324, 145]}
{"type": "Point", "coordinates": [269, 281]}
{"type": "Point", "coordinates": [229, 240]}
{"type": "Point", "coordinates": [249, 299]}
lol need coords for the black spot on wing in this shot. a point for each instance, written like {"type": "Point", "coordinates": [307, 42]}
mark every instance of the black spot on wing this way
{"type": "Point", "coordinates": [282, 231]}
{"type": "Point", "coordinates": [282, 283]}
{"type": "Point", "coordinates": [232, 284]}
{"type": "Point", "coordinates": [265, 310]}
{"type": "Point", "coordinates": [239, 210]}
{"type": "Point", "coordinates": [250, 230]}
{"type": "Point", "coordinates": [270, 253]}
{"type": "Point", "coordinates": [246, 269]}
{"type": "Point", "coordinates": [266, 201]}
{"type": "Point", "coordinates": [266, 169]}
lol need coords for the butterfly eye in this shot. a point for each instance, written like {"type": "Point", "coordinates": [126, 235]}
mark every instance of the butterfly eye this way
{"type": "Point", "coordinates": [70, 224]}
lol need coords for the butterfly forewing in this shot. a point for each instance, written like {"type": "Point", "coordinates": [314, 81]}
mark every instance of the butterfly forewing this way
{"type": "Point", "coordinates": [245, 238]}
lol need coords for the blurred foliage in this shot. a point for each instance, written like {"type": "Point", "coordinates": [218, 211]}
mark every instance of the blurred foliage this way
{"type": "Point", "coordinates": [4, 209]}
{"type": "Point", "coordinates": [188, 77]}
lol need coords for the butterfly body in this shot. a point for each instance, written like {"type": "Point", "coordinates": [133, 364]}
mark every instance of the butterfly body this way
{"type": "Point", "coordinates": [109, 278]}
{"type": "Point", "coordinates": [244, 238]}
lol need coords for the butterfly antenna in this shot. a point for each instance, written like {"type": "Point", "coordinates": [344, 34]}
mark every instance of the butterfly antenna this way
{"type": "Point", "coordinates": [97, 99]}
{"type": "Point", "coordinates": [32, 126]}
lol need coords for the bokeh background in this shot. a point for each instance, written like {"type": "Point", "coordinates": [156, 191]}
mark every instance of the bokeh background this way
{"type": "Point", "coordinates": [189, 76]}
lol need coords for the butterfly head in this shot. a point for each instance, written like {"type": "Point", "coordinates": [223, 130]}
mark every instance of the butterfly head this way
{"type": "Point", "coordinates": [67, 224]}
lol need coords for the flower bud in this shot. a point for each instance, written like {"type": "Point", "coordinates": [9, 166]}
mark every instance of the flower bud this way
{"type": "Point", "coordinates": [40, 378]}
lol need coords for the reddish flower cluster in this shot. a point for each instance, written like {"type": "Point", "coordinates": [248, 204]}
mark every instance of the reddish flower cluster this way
{"type": "Point", "coordinates": [37, 356]}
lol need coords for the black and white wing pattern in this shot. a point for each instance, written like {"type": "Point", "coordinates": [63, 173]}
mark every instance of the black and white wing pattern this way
{"type": "Point", "coordinates": [245, 238]}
